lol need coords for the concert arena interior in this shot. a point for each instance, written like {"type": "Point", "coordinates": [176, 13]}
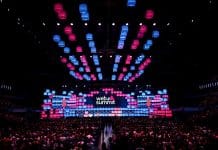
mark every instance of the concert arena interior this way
{"type": "Point", "coordinates": [108, 75]}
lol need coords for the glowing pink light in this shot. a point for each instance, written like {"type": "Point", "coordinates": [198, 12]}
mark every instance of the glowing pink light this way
{"type": "Point", "coordinates": [145, 63]}
{"type": "Point", "coordinates": [128, 59]}
{"type": "Point", "coordinates": [137, 75]}
{"type": "Point", "coordinates": [87, 69]}
{"type": "Point", "coordinates": [141, 67]}
{"type": "Point", "coordinates": [79, 49]}
{"type": "Point", "coordinates": [82, 58]}
{"type": "Point", "coordinates": [132, 79]}
{"type": "Point", "coordinates": [143, 29]}
{"type": "Point", "coordinates": [140, 35]}
{"type": "Point", "coordinates": [64, 60]}
{"type": "Point", "coordinates": [58, 7]}
{"type": "Point", "coordinates": [148, 60]}
{"type": "Point", "coordinates": [79, 76]}
{"type": "Point", "coordinates": [149, 14]}
{"type": "Point", "coordinates": [133, 47]}
{"type": "Point", "coordinates": [62, 15]}
{"type": "Point", "coordinates": [136, 42]}
{"type": "Point", "coordinates": [72, 37]}
{"type": "Point", "coordinates": [124, 69]}
{"type": "Point", "coordinates": [72, 68]}
{"type": "Point", "coordinates": [121, 76]}
{"type": "Point", "coordinates": [92, 75]}
{"type": "Point", "coordinates": [68, 30]}
{"type": "Point", "coordinates": [69, 65]}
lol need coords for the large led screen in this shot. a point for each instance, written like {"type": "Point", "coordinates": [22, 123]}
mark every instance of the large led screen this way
{"type": "Point", "coordinates": [105, 102]}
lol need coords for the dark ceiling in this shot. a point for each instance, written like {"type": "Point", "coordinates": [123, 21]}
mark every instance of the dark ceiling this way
{"type": "Point", "coordinates": [184, 54]}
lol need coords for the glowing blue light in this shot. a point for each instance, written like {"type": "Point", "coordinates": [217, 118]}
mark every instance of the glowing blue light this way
{"type": "Point", "coordinates": [84, 12]}
{"type": "Point", "coordinates": [129, 74]}
{"type": "Point", "coordinates": [76, 63]}
{"type": "Point", "coordinates": [96, 63]}
{"type": "Point", "coordinates": [159, 92]}
{"type": "Point", "coordinates": [91, 44]}
{"type": "Point", "coordinates": [163, 106]}
{"type": "Point", "coordinates": [123, 35]}
{"type": "Point", "coordinates": [64, 92]}
{"type": "Point", "coordinates": [72, 73]}
{"type": "Point", "coordinates": [124, 28]}
{"type": "Point", "coordinates": [141, 72]}
{"type": "Point", "coordinates": [155, 34]}
{"type": "Point", "coordinates": [83, 7]}
{"type": "Point", "coordinates": [115, 69]}
{"type": "Point", "coordinates": [117, 58]}
{"type": "Point", "coordinates": [120, 44]}
{"type": "Point", "coordinates": [120, 47]}
{"type": "Point", "coordinates": [132, 67]}
{"type": "Point", "coordinates": [66, 50]}
{"type": "Point", "coordinates": [115, 65]}
{"type": "Point", "coordinates": [81, 69]}
{"type": "Point", "coordinates": [113, 77]}
{"type": "Point", "coordinates": [61, 44]}
{"type": "Point", "coordinates": [139, 59]}
{"type": "Point", "coordinates": [74, 60]}
{"type": "Point", "coordinates": [142, 56]}
{"type": "Point", "coordinates": [125, 79]}
{"type": "Point", "coordinates": [85, 16]}
{"type": "Point", "coordinates": [148, 92]}
{"type": "Point", "coordinates": [71, 57]}
{"type": "Point", "coordinates": [95, 60]}
{"type": "Point", "coordinates": [87, 77]}
{"type": "Point", "coordinates": [146, 47]}
{"type": "Point", "coordinates": [47, 91]}
{"type": "Point", "coordinates": [131, 3]}
{"type": "Point", "coordinates": [56, 38]}
{"type": "Point", "coordinates": [100, 76]}
{"type": "Point", "coordinates": [98, 69]}
{"type": "Point", "coordinates": [149, 42]}
{"type": "Point", "coordinates": [89, 37]}
{"type": "Point", "coordinates": [164, 91]}
{"type": "Point", "coordinates": [93, 50]}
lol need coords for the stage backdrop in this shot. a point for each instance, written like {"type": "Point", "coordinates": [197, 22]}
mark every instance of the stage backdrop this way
{"type": "Point", "coordinates": [105, 102]}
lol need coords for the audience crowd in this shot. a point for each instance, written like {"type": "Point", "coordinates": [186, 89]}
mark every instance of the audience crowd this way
{"type": "Point", "coordinates": [127, 134]}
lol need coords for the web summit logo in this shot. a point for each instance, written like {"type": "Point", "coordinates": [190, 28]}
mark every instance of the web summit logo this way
{"type": "Point", "coordinates": [105, 100]}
